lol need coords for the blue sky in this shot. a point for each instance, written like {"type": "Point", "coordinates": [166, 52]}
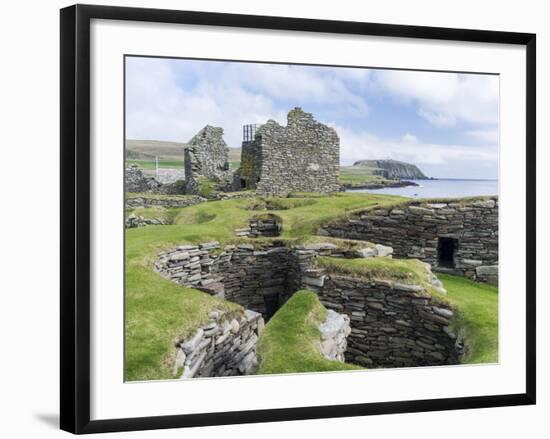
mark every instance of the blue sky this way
{"type": "Point", "coordinates": [446, 123]}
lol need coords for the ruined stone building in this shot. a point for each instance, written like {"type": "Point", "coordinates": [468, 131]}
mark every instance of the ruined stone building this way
{"type": "Point", "coordinates": [205, 156]}
{"type": "Point", "coordinates": [304, 156]}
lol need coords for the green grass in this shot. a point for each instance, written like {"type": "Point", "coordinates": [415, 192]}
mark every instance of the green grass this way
{"type": "Point", "coordinates": [290, 340]}
{"type": "Point", "coordinates": [157, 310]}
{"type": "Point", "coordinates": [405, 271]}
{"type": "Point", "coordinates": [151, 195]}
{"type": "Point", "coordinates": [206, 187]}
{"type": "Point", "coordinates": [155, 212]}
{"type": "Point", "coordinates": [150, 164]}
{"type": "Point", "coordinates": [477, 305]}
{"type": "Point", "coordinates": [358, 175]}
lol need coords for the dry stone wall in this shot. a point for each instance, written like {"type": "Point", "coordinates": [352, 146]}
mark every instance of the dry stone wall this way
{"type": "Point", "coordinates": [334, 332]}
{"type": "Point", "coordinates": [421, 230]}
{"type": "Point", "coordinates": [133, 202]}
{"type": "Point", "coordinates": [392, 324]}
{"type": "Point", "coordinates": [205, 156]}
{"type": "Point", "coordinates": [266, 225]}
{"type": "Point", "coordinates": [136, 181]}
{"type": "Point", "coordinates": [301, 157]}
{"type": "Point", "coordinates": [225, 346]}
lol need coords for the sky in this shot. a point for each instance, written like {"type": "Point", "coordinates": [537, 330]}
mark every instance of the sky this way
{"type": "Point", "coordinates": [445, 123]}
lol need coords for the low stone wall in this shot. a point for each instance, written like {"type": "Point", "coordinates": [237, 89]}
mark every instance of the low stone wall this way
{"type": "Point", "coordinates": [334, 331]}
{"type": "Point", "coordinates": [263, 226]}
{"type": "Point", "coordinates": [419, 229]}
{"type": "Point", "coordinates": [191, 265]}
{"type": "Point", "coordinates": [225, 346]}
{"type": "Point", "coordinates": [392, 324]}
{"type": "Point", "coordinates": [134, 221]}
{"type": "Point", "coordinates": [136, 181]}
{"type": "Point", "coordinates": [165, 175]}
{"type": "Point", "coordinates": [164, 201]}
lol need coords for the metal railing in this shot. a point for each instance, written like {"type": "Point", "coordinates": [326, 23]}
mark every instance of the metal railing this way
{"type": "Point", "coordinates": [249, 132]}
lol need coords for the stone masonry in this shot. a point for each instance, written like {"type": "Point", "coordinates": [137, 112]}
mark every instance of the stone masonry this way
{"type": "Point", "coordinates": [225, 346]}
{"type": "Point", "coordinates": [205, 155]}
{"type": "Point", "coordinates": [136, 181]}
{"type": "Point", "coordinates": [304, 156]}
{"type": "Point", "coordinates": [392, 324]}
{"type": "Point", "coordinates": [468, 229]}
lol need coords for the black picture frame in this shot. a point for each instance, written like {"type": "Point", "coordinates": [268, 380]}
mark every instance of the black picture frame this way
{"type": "Point", "coordinates": [75, 217]}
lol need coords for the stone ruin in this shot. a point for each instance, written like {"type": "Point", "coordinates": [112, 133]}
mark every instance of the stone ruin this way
{"type": "Point", "coordinates": [205, 156]}
{"type": "Point", "coordinates": [304, 156]}
{"type": "Point", "coordinates": [455, 236]}
{"type": "Point", "coordinates": [371, 322]}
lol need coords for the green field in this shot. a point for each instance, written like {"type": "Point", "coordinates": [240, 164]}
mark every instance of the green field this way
{"type": "Point", "coordinates": [358, 175]}
{"type": "Point", "coordinates": [151, 164]}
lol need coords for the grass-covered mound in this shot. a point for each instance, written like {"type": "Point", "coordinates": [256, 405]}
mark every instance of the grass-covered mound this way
{"type": "Point", "coordinates": [291, 340]}
{"type": "Point", "coordinates": [477, 306]}
{"type": "Point", "coordinates": [157, 310]}
{"type": "Point", "coordinates": [405, 271]}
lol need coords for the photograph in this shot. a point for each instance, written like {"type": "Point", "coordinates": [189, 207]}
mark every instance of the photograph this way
{"type": "Point", "coordinates": [297, 218]}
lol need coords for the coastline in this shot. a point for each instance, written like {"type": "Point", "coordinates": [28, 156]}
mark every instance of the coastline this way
{"type": "Point", "coordinates": [378, 185]}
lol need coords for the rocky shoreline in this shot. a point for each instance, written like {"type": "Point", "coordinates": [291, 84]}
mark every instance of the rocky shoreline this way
{"type": "Point", "coordinates": [379, 184]}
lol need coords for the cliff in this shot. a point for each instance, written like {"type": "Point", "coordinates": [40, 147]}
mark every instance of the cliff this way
{"type": "Point", "coordinates": [392, 169]}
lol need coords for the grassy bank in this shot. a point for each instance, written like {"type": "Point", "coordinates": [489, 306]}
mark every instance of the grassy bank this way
{"type": "Point", "coordinates": [290, 341]}
{"type": "Point", "coordinates": [477, 305]}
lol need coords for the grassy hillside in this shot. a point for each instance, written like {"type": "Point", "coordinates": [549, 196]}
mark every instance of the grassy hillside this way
{"type": "Point", "coordinates": [358, 175]}
{"type": "Point", "coordinates": [148, 149]}
{"type": "Point", "coordinates": [170, 154]}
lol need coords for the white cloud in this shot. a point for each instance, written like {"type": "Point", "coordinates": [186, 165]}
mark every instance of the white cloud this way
{"type": "Point", "coordinates": [486, 136]}
{"type": "Point", "coordinates": [445, 98]}
{"type": "Point", "coordinates": [356, 146]}
{"type": "Point", "coordinates": [159, 108]}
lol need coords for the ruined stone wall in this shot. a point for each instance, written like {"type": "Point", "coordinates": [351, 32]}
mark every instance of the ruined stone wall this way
{"type": "Point", "coordinates": [392, 325]}
{"type": "Point", "coordinates": [136, 181]}
{"type": "Point", "coordinates": [413, 230]}
{"type": "Point", "coordinates": [164, 201]}
{"type": "Point", "coordinates": [256, 277]}
{"type": "Point", "coordinates": [205, 155]}
{"type": "Point", "coordinates": [301, 157]}
{"type": "Point", "coordinates": [265, 225]}
{"type": "Point", "coordinates": [225, 346]}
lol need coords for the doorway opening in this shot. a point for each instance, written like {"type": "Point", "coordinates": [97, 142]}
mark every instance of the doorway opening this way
{"type": "Point", "coordinates": [446, 252]}
{"type": "Point", "coordinates": [271, 302]}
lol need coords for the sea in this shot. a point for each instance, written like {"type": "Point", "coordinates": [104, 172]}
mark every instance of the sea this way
{"type": "Point", "coordinates": [440, 188]}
